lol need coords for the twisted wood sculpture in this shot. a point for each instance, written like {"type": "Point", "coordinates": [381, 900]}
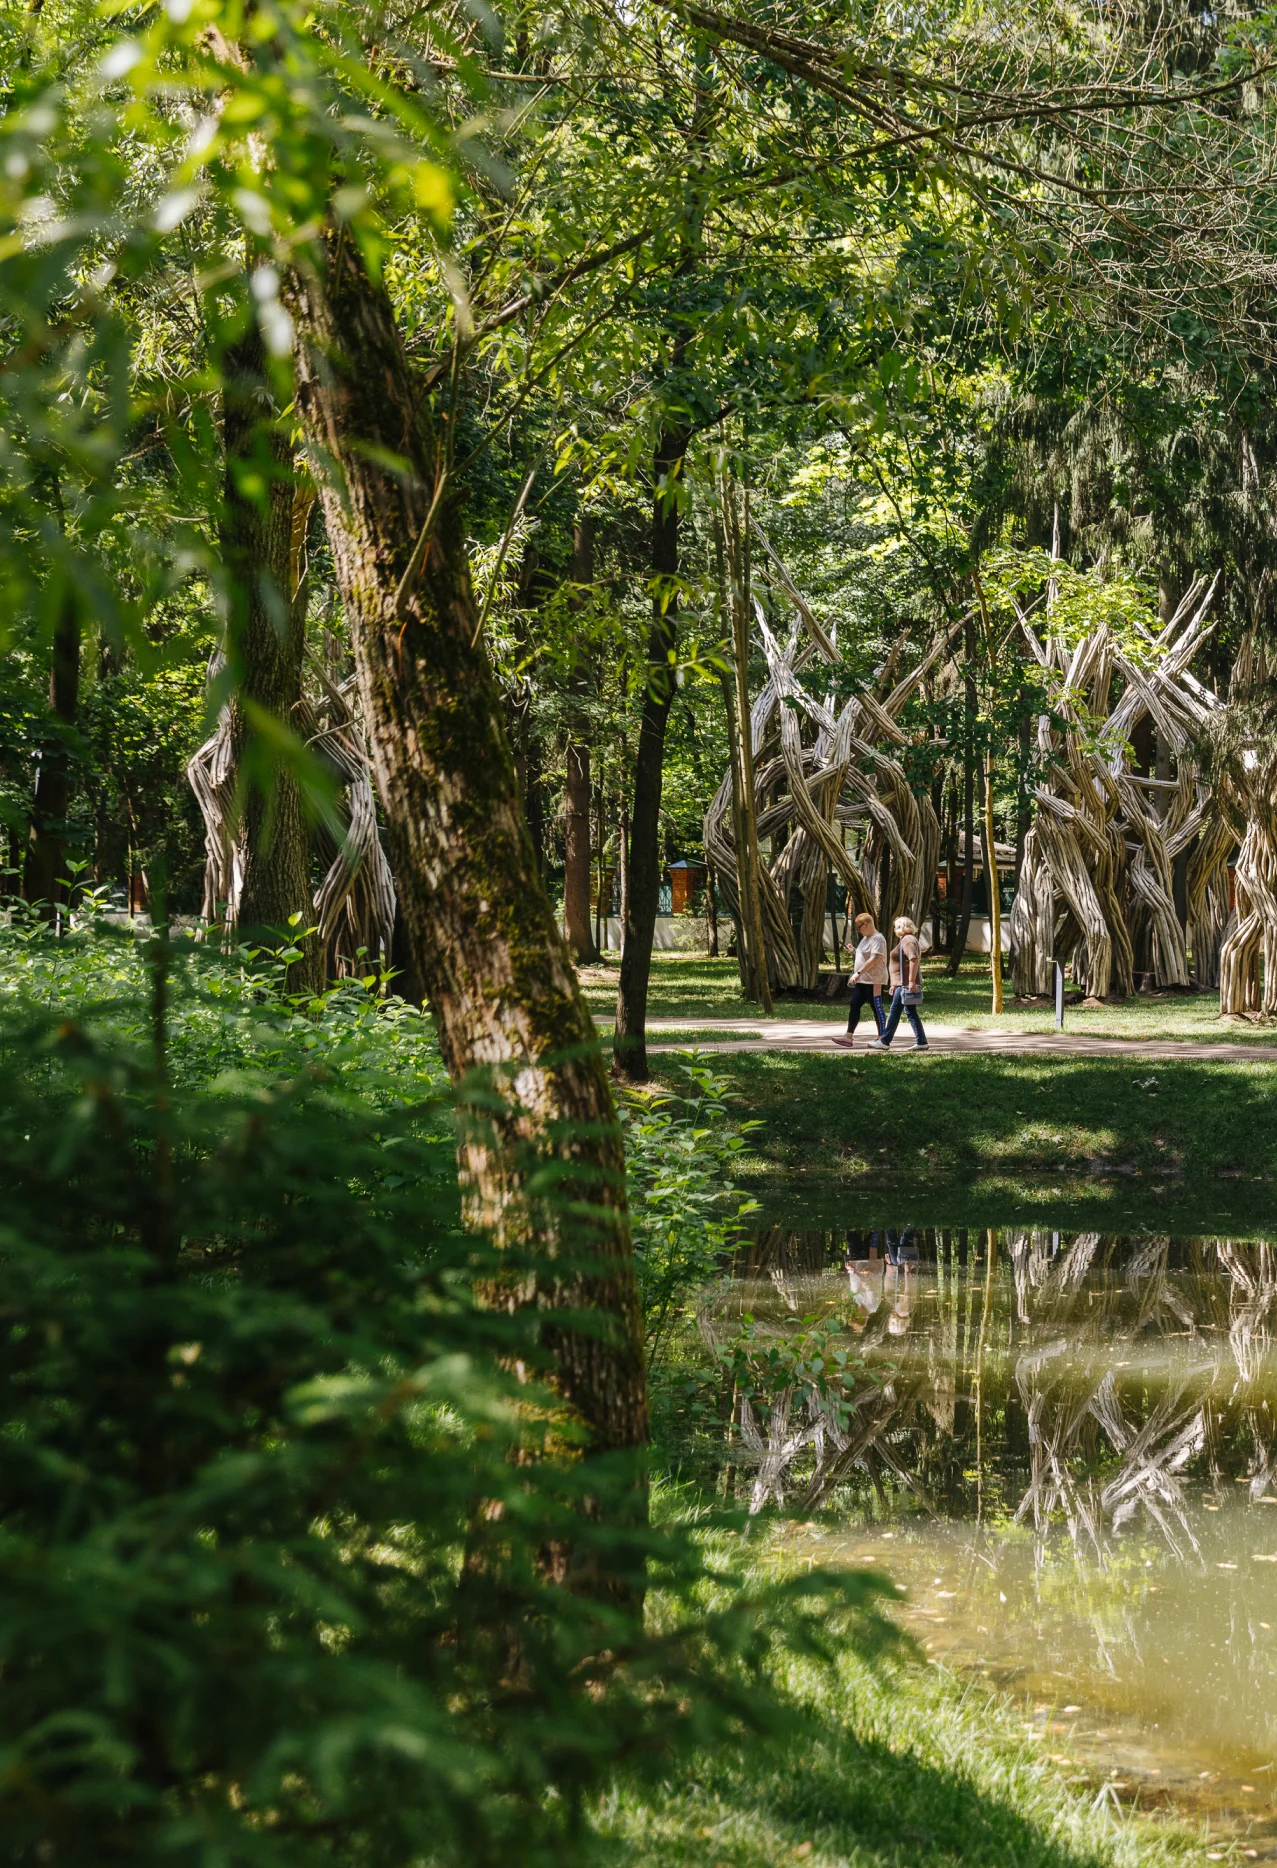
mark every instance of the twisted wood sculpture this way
{"type": "Point", "coordinates": [817, 774]}
{"type": "Point", "coordinates": [354, 903]}
{"type": "Point", "coordinates": [1246, 772]}
{"type": "Point", "coordinates": [1096, 886]}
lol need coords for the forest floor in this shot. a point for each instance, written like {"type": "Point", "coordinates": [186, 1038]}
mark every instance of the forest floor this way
{"type": "Point", "coordinates": [1178, 1144]}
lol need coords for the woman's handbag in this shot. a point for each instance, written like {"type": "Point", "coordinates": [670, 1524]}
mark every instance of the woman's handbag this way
{"type": "Point", "coordinates": [906, 998]}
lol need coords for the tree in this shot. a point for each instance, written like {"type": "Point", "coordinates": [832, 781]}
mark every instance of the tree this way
{"type": "Point", "coordinates": [494, 967]}
{"type": "Point", "coordinates": [578, 798]}
{"type": "Point", "coordinates": [265, 636]}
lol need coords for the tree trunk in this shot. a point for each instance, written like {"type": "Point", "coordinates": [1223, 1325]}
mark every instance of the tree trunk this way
{"type": "Point", "coordinates": [491, 960]}
{"type": "Point", "coordinates": [1023, 813]}
{"type": "Point", "coordinates": [576, 864]}
{"type": "Point", "coordinates": [265, 639]}
{"type": "Point", "coordinates": [623, 864]}
{"type": "Point", "coordinates": [711, 913]}
{"type": "Point", "coordinates": [991, 877]}
{"type": "Point", "coordinates": [45, 852]}
{"type": "Point", "coordinates": [968, 807]}
{"type": "Point", "coordinates": [748, 860]}
{"type": "Point", "coordinates": [629, 1053]}
{"type": "Point", "coordinates": [602, 909]}
{"type": "Point", "coordinates": [576, 835]}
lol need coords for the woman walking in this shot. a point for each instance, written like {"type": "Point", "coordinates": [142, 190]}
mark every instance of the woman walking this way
{"type": "Point", "coordinates": [868, 977]}
{"type": "Point", "coordinates": [905, 974]}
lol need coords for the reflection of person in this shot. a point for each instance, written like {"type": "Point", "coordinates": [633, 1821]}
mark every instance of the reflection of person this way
{"type": "Point", "coordinates": [906, 985]}
{"type": "Point", "coordinates": [902, 1308]}
{"type": "Point", "coordinates": [868, 977]}
{"type": "Point", "coordinates": [864, 1277]}
{"type": "Point", "coordinates": [874, 1281]}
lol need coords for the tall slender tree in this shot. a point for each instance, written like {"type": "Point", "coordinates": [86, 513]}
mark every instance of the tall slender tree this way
{"type": "Point", "coordinates": [265, 643]}
{"type": "Point", "coordinates": [577, 797]}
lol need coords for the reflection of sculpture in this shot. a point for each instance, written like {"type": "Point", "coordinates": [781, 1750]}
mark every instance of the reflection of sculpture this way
{"type": "Point", "coordinates": [1109, 1367]}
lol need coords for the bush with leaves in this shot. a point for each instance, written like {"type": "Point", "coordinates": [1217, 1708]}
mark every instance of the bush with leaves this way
{"type": "Point", "coordinates": [682, 1151]}
{"type": "Point", "coordinates": [275, 1507]}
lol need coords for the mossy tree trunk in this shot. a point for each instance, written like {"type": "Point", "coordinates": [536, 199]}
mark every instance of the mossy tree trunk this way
{"type": "Point", "coordinates": [265, 641]}
{"type": "Point", "coordinates": [495, 969]}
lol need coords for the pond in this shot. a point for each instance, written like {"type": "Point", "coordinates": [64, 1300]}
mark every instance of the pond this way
{"type": "Point", "coordinates": [1062, 1449]}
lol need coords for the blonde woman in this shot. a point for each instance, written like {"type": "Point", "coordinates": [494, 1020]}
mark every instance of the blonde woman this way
{"type": "Point", "coordinates": [905, 979]}
{"type": "Point", "coordinates": [868, 977]}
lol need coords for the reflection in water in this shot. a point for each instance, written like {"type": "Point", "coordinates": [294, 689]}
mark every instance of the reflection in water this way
{"type": "Point", "coordinates": [1063, 1447]}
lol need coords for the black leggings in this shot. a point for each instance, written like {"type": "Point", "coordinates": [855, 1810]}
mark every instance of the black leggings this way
{"type": "Point", "coordinates": [864, 994]}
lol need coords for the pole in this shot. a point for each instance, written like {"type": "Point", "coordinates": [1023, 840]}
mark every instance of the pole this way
{"type": "Point", "coordinates": [1059, 997]}
{"type": "Point", "coordinates": [991, 876]}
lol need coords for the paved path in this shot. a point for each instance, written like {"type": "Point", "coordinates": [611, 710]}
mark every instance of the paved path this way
{"type": "Point", "coordinates": [780, 1034]}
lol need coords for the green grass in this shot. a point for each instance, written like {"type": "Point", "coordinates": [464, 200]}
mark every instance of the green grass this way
{"type": "Point", "coordinates": [985, 1139]}
{"type": "Point", "coordinates": [690, 986]}
{"type": "Point", "coordinates": [905, 1768]}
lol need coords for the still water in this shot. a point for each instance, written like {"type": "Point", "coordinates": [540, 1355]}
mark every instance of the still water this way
{"type": "Point", "coordinates": [1062, 1448]}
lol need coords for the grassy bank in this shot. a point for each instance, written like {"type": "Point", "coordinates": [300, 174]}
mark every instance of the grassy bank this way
{"type": "Point", "coordinates": [889, 1767]}
{"type": "Point", "coordinates": [984, 1139]}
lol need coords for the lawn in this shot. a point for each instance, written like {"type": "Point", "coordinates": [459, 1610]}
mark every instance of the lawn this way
{"type": "Point", "coordinates": [888, 1768]}
{"type": "Point", "coordinates": [995, 1140]}
{"type": "Point", "coordinates": [691, 986]}
{"type": "Point", "coordinates": [992, 1139]}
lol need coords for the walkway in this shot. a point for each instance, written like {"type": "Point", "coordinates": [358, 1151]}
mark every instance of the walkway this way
{"type": "Point", "coordinates": [747, 1034]}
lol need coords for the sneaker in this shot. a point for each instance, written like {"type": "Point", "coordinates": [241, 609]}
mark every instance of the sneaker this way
{"type": "Point", "coordinates": [846, 1043]}
{"type": "Point", "coordinates": [879, 1044]}
{"type": "Point", "coordinates": [922, 1047]}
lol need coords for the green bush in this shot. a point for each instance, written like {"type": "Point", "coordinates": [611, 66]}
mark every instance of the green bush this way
{"type": "Point", "coordinates": [681, 1152]}
{"type": "Point", "coordinates": [271, 1587]}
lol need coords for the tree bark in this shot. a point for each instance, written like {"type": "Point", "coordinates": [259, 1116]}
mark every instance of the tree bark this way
{"type": "Point", "coordinates": [629, 1050]}
{"type": "Point", "coordinates": [968, 805]}
{"type": "Point", "coordinates": [576, 862]}
{"type": "Point", "coordinates": [1023, 812]}
{"type": "Point", "coordinates": [576, 837]}
{"type": "Point", "coordinates": [748, 860]}
{"type": "Point", "coordinates": [991, 877]}
{"type": "Point", "coordinates": [623, 864]}
{"type": "Point", "coordinates": [510, 1015]}
{"type": "Point", "coordinates": [265, 640]}
{"type": "Point", "coordinates": [42, 879]}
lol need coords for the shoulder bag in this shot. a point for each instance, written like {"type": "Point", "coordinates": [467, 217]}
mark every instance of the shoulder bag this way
{"type": "Point", "coordinates": [907, 998]}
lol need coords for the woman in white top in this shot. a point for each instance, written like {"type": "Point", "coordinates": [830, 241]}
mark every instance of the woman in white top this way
{"type": "Point", "coordinates": [906, 985]}
{"type": "Point", "coordinates": [868, 977]}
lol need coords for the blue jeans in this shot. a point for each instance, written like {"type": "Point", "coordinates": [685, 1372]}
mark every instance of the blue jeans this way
{"type": "Point", "coordinates": [893, 1018]}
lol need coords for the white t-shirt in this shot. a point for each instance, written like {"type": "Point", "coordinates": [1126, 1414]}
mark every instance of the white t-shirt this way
{"type": "Point", "coordinates": [871, 959]}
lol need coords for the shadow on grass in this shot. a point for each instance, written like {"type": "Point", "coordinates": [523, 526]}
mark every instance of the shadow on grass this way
{"type": "Point", "coordinates": [1173, 1146]}
{"type": "Point", "coordinates": [943, 1784]}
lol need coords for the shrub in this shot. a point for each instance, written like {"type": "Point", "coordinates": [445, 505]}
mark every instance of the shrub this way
{"type": "Point", "coordinates": [271, 1587]}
